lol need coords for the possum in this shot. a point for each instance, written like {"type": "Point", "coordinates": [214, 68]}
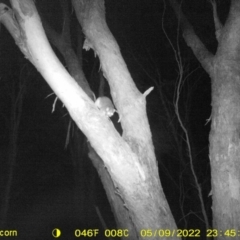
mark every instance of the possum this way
{"type": "Point", "coordinates": [105, 104]}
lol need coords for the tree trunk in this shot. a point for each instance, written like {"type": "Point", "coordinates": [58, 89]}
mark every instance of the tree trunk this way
{"type": "Point", "coordinates": [129, 159]}
{"type": "Point", "coordinates": [223, 69]}
{"type": "Point", "coordinates": [225, 144]}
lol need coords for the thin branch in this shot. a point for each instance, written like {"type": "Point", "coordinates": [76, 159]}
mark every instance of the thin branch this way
{"type": "Point", "coordinates": [197, 184]}
{"type": "Point", "coordinates": [192, 40]}
{"type": "Point", "coordinates": [217, 23]}
{"type": "Point", "coordinates": [183, 21]}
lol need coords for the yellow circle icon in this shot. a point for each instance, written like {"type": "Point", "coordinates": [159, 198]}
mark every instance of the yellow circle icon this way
{"type": "Point", "coordinates": [56, 232]}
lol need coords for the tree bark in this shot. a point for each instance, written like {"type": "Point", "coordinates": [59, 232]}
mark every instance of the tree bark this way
{"type": "Point", "coordinates": [223, 69]}
{"type": "Point", "coordinates": [129, 159]}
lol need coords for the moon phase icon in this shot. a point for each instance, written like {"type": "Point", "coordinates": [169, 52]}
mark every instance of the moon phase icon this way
{"type": "Point", "coordinates": [56, 232]}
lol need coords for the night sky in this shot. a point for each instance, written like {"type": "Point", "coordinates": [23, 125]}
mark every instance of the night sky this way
{"type": "Point", "coordinates": [44, 191]}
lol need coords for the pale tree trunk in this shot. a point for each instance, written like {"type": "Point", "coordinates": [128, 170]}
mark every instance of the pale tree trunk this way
{"type": "Point", "coordinates": [62, 41]}
{"type": "Point", "coordinates": [223, 69]}
{"type": "Point", "coordinates": [134, 187]}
